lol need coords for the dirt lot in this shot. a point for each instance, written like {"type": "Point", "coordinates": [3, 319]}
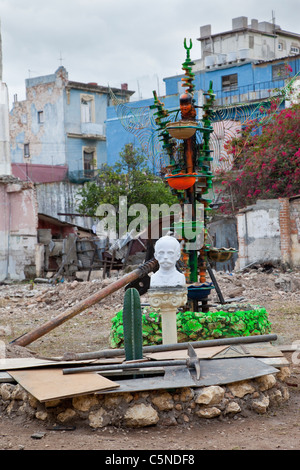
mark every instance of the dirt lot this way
{"type": "Point", "coordinates": [25, 306]}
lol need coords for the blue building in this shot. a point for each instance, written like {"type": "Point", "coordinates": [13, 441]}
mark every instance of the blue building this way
{"type": "Point", "coordinates": [60, 126]}
{"type": "Point", "coordinates": [246, 65]}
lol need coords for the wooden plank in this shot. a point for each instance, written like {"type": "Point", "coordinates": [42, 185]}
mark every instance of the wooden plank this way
{"type": "Point", "coordinates": [202, 353]}
{"type": "Point", "coordinates": [50, 383]}
{"type": "Point", "coordinates": [289, 347]}
{"type": "Point", "coordinates": [275, 361]}
{"type": "Point", "coordinates": [32, 362]}
{"type": "Point", "coordinates": [6, 378]}
{"type": "Point", "coordinates": [23, 362]}
{"type": "Point", "coordinates": [251, 349]}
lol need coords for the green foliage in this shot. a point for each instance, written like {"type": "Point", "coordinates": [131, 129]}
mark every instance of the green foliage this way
{"type": "Point", "coordinates": [129, 177]}
{"type": "Point", "coordinates": [197, 326]}
{"type": "Point", "coordinates": [266, 164]}
{"type": "Point", "coordinates": [132, 325]}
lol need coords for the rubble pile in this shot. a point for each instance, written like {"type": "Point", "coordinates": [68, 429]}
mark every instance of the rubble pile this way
{"type": "Point", "coordinates": [24, 306]}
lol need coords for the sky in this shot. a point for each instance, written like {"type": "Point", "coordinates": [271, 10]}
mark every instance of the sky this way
{"type": "Point", "coordinates": [111, 42]}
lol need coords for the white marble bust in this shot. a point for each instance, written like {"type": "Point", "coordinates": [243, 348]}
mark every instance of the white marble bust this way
{"type": "Point", "coordinates": [167, 253]}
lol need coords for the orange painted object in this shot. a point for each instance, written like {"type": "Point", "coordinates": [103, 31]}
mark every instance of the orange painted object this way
{"type": "Point", "coordinates": [181, 180]}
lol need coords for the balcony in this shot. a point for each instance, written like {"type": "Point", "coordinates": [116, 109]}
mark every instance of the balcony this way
{"type": "Point", "coordinates": [88, 130]}
{"type": "Point", "coordinates": [248, 93]}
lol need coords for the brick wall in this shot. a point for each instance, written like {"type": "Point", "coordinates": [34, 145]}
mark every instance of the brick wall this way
{"type": "Point", "coordinates": [285, 230]}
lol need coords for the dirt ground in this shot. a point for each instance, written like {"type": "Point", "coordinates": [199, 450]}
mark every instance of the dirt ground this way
{"type": "Point", "coordinates": [25, 306]}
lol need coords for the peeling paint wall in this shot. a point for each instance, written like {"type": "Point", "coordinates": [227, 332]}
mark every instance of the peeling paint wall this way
{"type": "Point", "coordinates": [5, 167]}
{"type": "Point", "coordinates": [18, 229]}
{"type": "Point", "coordinates": [39, 121]}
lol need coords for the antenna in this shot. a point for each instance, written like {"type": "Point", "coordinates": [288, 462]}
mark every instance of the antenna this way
{"type": "Point", "coordinates": [60, 59]}
{"type": "Point", "coordinates": [31, 71]}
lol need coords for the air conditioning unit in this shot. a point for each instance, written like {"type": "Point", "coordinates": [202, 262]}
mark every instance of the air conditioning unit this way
{"type": "Point", "coordinates": [244, 54]}
{"type": "Point", "coordinates": [221, 59]}
{"type": "Point", "coordinates": [209, 61]}
{"type": "Point", "coordinates": [231, 57]}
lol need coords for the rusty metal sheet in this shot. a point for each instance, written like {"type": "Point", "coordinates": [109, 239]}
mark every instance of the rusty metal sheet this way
{"type": "Point", "coordinates": [225, 371]}
{"type": "Point", "coordinates": [174, 377]}
{"type": "Point", "coordinates": [213, 372]}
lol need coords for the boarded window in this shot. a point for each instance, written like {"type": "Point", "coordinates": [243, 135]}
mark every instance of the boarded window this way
{"type": "Point", "coordinates": [229, 82]}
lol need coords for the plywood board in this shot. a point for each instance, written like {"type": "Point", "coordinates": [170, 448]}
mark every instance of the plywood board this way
{"type": "Point", "coordinates": [51, 383]}
{"type": "Point", "coordinates": [31, 362]}
{"type": "Point", "coordinates": [275, 361]}
{"type": "Point", "coordinates": [250, 349]}
{"type": "Point", "coordinates": [202, 353]}
{"type": "Point", "coordinates": [23, 362]}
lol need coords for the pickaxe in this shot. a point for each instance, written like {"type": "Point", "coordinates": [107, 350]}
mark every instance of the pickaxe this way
{"type": "Point", "coordinates": [191, 362]}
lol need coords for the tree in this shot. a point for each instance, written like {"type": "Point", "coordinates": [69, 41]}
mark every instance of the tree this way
{"type": "Point", "coordinates": [129, 177]}
{"type": "Point", "coordinates": [266, 164]}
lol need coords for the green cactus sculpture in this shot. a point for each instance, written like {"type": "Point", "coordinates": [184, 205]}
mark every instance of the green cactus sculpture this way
{"type": "Point", "coordinates": [132, 325]}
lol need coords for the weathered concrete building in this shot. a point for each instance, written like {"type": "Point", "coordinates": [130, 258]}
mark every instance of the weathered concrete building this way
{"type": "Point", "coordinates": [61, 123]}
{"type": "Point", "coordinates": [259, 41]}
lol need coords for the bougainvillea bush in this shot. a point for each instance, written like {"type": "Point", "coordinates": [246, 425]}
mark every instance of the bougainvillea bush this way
{"type": "Point", "coordinates": [196, 326]}
{"type": "Point", "coordinates": [266, 161]}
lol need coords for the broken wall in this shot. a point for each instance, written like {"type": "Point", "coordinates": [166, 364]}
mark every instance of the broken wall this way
{"type": "Point", "coordinates": [269, 231]}
{"type": "Point", "coordinates": [18, 229]}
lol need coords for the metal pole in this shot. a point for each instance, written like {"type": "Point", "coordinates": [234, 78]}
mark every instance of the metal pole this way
{"type": "Point", "coordinates": [108, 353]}
{"type": "Point", "coordinates": [28, 338]}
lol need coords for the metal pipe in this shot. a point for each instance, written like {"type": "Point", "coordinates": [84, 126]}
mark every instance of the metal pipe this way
{"type": "Point", "coordinates": [107, 353]}
{"type": "Point", "coordinates": [28, 338]}
{"type": "Point", "coordinates": [137, 365]}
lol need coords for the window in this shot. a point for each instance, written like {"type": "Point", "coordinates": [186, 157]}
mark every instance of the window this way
{"type": "Point", "coordinates": [26, 151]}
{"type": "Point", "coordinates": [229, 82]}
{"type": "Point", "coordinates": [280, 46]}
{"type": "Point", "coordinates": [87, 108]}
{"type": "Point", "coordinates": [294, 50]}
{"type": "Point", "coordinates": [89, 161]}
{"type": "Point", "coordinates": [40, 117]}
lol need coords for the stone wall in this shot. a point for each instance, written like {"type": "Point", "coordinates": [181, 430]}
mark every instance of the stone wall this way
{"type": "Point", "coordinates": [140, 409]}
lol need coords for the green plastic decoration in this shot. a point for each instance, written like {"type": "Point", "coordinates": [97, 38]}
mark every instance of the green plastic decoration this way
{"type": "Point", "coordinates": [197, 326]}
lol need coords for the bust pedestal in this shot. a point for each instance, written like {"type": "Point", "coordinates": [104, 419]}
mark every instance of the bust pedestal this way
{"type": "Point", "coordinates": [168, 299]}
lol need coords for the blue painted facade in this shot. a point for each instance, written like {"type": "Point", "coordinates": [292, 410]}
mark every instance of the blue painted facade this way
{"type": "Point", "coordinates": [255, 81]}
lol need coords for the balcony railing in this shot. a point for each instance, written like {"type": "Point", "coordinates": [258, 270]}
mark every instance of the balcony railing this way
{"type": "Point", "coordinates": [82, 176]}
{"type": "Point", "coordinates": [248, 93]}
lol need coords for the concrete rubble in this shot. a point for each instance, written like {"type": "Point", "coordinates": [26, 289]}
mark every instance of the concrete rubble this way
{"type": "Point", "coordinates": [141, 409]}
